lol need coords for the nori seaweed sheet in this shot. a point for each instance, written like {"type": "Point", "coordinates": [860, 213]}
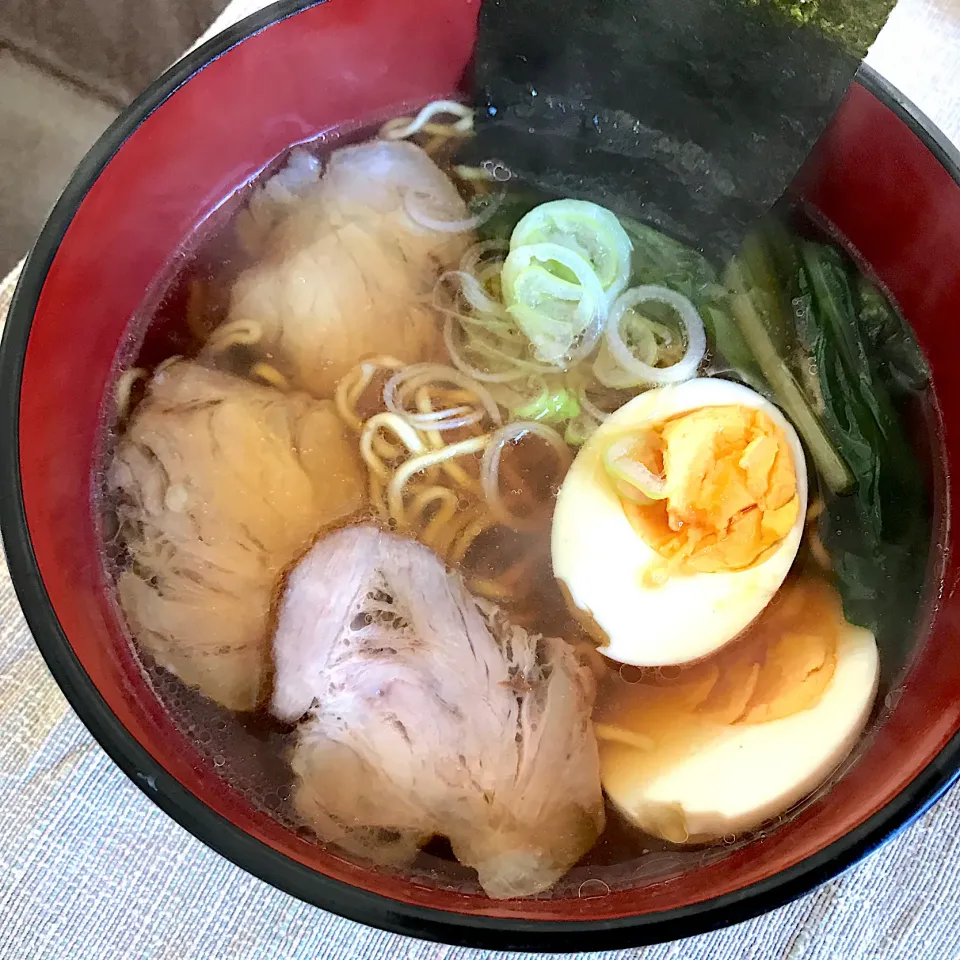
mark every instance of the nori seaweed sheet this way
{"type": "Point", "coordinates": [692, 115]}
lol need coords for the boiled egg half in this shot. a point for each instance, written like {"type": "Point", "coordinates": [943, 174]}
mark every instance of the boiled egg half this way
{"type": "Point", "coordinates": [679, 520]}
{"type": "Point", "coordinates": [726, 744]}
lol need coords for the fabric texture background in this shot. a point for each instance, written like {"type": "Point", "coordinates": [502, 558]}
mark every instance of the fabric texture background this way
{"type": "Point", "coordinates": [90, 869]}
{"type": "Point", "coordinates": [113, 47]}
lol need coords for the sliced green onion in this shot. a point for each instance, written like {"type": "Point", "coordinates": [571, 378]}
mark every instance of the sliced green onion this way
{"type": "Point", "coordinates": [645, 373]}
{"type": "Point", "coordinates": [420, 206]}
{"type": "Point", "coordinates": [551, 406]}
{"type": "Point", "coordinates": [642, 341]}
{"type": "Point", "coordinates": [473, 292]}
{"type": "Point", "coordinates": [589, 230]}
{"type": "Point", "coordinates": [553, 311]}
{"type": "Point", "coordinates": [513, 369]}
{"type": "Point", "coordinates": [631, 478]}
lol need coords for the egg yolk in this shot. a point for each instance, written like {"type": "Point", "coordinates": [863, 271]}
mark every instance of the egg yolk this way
{"type": "Point", "coordinates": [730, 490]}
{"type": "Point", "coordinates": [782, 665]}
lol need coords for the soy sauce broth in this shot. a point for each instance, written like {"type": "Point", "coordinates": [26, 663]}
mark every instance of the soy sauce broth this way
{"type": "Point", "coordinates": [249, 752]}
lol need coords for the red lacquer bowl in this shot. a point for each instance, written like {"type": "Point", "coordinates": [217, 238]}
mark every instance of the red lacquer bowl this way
{"type": "Point", "coordinates": [881, 174]}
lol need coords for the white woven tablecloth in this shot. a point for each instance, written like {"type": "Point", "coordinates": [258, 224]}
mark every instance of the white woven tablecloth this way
{"type": "Point", "coordinates": [92, 870]}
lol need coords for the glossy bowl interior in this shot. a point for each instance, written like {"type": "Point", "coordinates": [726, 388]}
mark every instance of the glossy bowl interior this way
{"type": "Point", "coordinates": [885, 181]}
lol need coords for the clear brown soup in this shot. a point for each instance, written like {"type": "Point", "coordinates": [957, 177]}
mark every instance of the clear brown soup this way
{"type": "Point", "coordinates": [249, 751]}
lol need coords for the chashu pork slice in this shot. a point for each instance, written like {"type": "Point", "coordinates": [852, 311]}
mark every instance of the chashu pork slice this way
{"type": "Point", "coordinates": [424, 712]}
{"type": "Point", "coordinates": [346, 271]}
{"type": "Point", "coordinates": [220, 484]}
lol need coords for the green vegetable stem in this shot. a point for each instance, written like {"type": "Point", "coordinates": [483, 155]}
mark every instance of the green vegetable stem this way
{"type": "Point", "coordinates": [837, 357]}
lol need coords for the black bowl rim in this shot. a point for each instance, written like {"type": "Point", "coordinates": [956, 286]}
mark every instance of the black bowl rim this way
{"type": "Point", "coordinates": [251, 854]}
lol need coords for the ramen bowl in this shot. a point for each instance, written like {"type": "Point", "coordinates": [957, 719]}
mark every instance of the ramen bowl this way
{"type": "Point", "coordinates": [882, 176]}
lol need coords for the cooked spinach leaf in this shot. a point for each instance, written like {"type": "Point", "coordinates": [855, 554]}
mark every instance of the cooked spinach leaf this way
{"type": "Point", "coordinates": [894, 353]}
{"type": "Point", "coordinates": [661, 260]}
{"type": "Point", "coordinates": [878, 537]}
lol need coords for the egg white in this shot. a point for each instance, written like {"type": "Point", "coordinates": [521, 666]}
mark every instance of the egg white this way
{"type": "Point", "coordinates": [600, 559]}
{"type": "Point", "coordinates": [739, 776]}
